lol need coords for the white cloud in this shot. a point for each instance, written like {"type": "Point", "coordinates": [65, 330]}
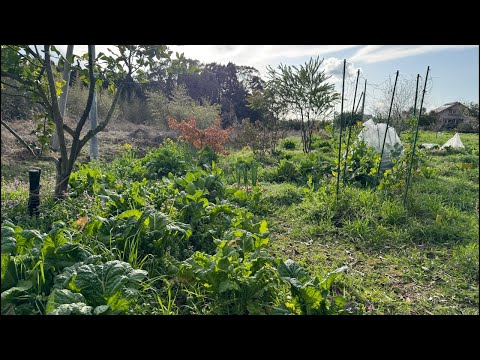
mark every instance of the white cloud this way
{"type": "Point", "coordinates": [378, 53]}
{"type": "Point", "coordinates": [334, 66]}
{"type": "Point", "coordinates": [258, 56]}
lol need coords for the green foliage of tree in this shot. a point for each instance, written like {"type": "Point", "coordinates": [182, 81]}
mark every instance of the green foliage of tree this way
{"type": "Point", "coordinates": [271, 108]}
{"type": "Point", "coordinates": [35, 73]}
{"type": "Point", "coordinates": [306, 92]}
{"type": "Point", "coordinates": [472, 109]}
{"type": "Point", "coordinates": [182, 107]}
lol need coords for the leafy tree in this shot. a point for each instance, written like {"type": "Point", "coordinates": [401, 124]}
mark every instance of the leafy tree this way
{"type": "Point", "coordinates": [306, 91]}
{"type": "Point", "coordinates": [226, 85]}
{"type": "Point", "coordinates": [472, 109]}
{"type": "Point", "coordinates": [164, 75]}
{"type": "Point", "coordinates": [470, 124]}
{"type": "Point", "coordinates": [34, 72]}
{"type": "Point", "coordinates": [402, 108]}
{"type": "Point", "coordinates": [271, 108]}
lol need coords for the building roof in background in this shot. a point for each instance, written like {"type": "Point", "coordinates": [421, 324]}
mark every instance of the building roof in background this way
{"type": "Point", "coordinates": [446, 106]}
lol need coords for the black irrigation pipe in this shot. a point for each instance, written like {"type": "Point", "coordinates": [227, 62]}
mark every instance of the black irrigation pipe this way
{"type": "Point", "coordinates": [388, 122]}
{"type": "Point", "coordinates": [341, 128]}
{"type": "Point", "coordinates": [416, 133]}
{"type": "Point", "coordinates": [350, 130]}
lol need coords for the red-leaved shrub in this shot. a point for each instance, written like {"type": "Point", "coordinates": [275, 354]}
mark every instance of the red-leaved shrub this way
{"type": "Point", "coordinates": [214, 136]}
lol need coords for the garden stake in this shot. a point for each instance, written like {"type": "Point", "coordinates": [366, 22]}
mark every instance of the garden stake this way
{"type": "Point", "coordinates": [388, 121]}
{"type": "Point", "coordinates": [341, 127]}
{"type": "Point", "coordinates": [416, 133]}
{"type": "Point", "coordinates": [350, 130]}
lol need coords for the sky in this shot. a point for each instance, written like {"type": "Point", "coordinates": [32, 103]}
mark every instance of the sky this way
{"type": "Point", "coordinates": [454, 74]}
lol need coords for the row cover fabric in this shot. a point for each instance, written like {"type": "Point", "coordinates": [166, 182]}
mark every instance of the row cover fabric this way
{"type": "Point", "coordinates": [454, 142]}
{"type": "Point", "coordinates": [372, 134]}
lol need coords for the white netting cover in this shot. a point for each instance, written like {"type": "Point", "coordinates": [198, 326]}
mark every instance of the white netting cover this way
{"type": "Point", "coordinates": [454, 142]}
{"type": "Point", "coordinates": [372, 134]}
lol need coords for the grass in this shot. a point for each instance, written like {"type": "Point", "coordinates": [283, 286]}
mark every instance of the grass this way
{"type": "Point", "coordinates": [419, 260]}
{"type": "Point", "coordinates": [422, 259]}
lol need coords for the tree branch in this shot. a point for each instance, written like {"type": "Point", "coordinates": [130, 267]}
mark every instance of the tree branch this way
{"type": "Point", "coordinates": [29, 85]}
{"type": "Point", "coordinates": [69, 130]}
{"type": "Point", "coordinates": [27, 49]}
{"type": "Point", "coordinates": [77, 144]}
{"type": "Point", "coordinates": [19, 138]}
{"type": "Point", "coordinates": [16, 95]}
{"type": "Point", "coordinates": [48, 158]}
{"type": "Point", "coordinates": [57, 117]}
{"type": "Point", "coordinates": [91, 91]}
{"type": "Point", "coordinates": [24, 143]}
{"type": "Point", "coordinates": [10, 85]}
{"type": "Point", "coordinates": [104, 123]}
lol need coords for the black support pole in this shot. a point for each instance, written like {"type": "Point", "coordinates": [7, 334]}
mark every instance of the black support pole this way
{"type": "Point", "coordinates": [341, 128]}
{"type": "Point", "coordinates": [34, 198]}
{"type": "Point", "coordinates": [350, 130]}
{"type": "Point", "coordinates": [388, 122]}
{"type": "Point", "coordinates": [416, 133]}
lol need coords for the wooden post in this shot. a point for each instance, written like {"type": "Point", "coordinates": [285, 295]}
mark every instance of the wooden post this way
{"type": "Point", "coordinates": [34, 198]}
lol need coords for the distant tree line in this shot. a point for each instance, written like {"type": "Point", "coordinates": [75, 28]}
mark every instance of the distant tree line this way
{"type": "Point", "coordinates": [225, 87]}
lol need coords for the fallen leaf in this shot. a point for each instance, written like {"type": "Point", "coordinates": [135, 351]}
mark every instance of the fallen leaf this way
{"type": "Point", "coordinates": [82, 221]}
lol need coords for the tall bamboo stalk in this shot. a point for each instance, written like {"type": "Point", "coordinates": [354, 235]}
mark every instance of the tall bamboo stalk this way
{"type": "Point", "coordinates": [350, 130]}
{"type": "Point", "coordinates": [388, 122]}
{"type": "Point", "coordinates": [341, 128]}
{"type": "Point", "coordinates": [416, 132]}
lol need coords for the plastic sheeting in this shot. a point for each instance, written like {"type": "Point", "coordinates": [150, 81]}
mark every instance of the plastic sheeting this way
{"type": "Point", "coordinates": [454, 142]}
{"type": "Point", "coordinates": [429, 146]}
{"type": "Point", "coordinates": [372, 134]}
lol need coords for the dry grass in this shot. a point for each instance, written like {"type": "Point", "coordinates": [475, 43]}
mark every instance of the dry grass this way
{"type": "Point", "coordinates": [110, 140]}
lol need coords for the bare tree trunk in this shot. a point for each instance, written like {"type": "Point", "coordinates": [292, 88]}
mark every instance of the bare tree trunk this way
{"type": "Point", "coordinates": [61, 181]}
{"type": "Point", "coordinates": [64, 95]}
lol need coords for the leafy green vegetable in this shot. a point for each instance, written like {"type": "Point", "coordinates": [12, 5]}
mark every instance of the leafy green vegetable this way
{"type": "Point", "coordinates": [62, 297]}
{"type": "Point", "coordinates": [9, 296]}
{"type": "Point", "coordinates": [72, 309]}
{"type": "Point", "coordinates": [113, 283]}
